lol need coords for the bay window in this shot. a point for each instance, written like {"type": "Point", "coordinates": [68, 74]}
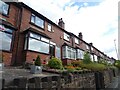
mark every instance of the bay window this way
{"type": "Point", "coordinates": [96, 59]}
{"type": "Point", "coordinates": [80, 54]}
{"type": "Point", "coordinates": [37, 21]}
{"type": "Point", "coordinates": [58, 52]}
{"type": "Point", "coordinates": [5, 38]}
{"type": "Point", "coordinates": [92, 57]}
{"type": "Point", "coordinates": [69, 52]}
{"type": "Point", "coordinates": [38, 43]}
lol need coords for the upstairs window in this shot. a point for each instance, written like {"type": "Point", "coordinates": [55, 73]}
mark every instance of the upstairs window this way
{"type": "Point", "coordinates": [92, 48]}
{"type": "Point", "coordinates": [87, 47]}
{"type": "Point", "coordinates": [49, 27]}
{"type": "Point", "coordinates": [66, 37]}
{"type": "Point", "coordinates": [4, 8]}
{"type": "Point", "coordinates": [37, 21]}
{"type": "Point", "coordinates": [76, 41]}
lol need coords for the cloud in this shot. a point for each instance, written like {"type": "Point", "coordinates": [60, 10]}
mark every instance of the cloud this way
{"type": "Point", "coordinates": [97, 21]}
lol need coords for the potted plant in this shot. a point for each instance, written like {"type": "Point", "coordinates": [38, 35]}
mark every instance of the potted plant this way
{"type": "Point", "coordinates": [36, 67]}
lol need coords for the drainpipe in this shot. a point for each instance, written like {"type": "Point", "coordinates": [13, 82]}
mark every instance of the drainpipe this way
{"type": "Point", "coordinates": [19, 19]}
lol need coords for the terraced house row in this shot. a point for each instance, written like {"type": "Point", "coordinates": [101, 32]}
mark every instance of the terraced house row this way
{"type": "Point", "coordinates": [26, 34]}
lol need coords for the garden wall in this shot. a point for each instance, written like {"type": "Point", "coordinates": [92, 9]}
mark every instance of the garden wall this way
{"type": "Point", "coordinates": [82, 79]}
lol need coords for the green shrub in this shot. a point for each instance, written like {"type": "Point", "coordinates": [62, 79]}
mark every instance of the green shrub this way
{"type": "Point", "coordinates": [76, 63]}
{"type": "Point", "coordinates": [78, 68]}
{"type": "Point", "coordinates": [86, 59]}
{"type": "Point", "coordinates": [55, 63]}
{"type": "Point", "coordinates": [117, 63]}
{"type": "Point", "coordinates": [93, 66]}
{"type": "Point", "coordinates": [38, 61]}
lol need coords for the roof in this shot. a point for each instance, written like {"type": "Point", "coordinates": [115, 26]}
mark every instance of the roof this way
{"type": "Point", "coordinates": [36, 31]}
{"type": "Point", "coordinates": [7, 24]}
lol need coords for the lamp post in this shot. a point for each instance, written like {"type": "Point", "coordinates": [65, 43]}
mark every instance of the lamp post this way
{"type": "Point", "coordinates": [115, 47]}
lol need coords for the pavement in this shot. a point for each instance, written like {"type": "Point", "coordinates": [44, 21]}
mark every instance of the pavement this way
{"type": "Point", "coordinates": [115, 84]}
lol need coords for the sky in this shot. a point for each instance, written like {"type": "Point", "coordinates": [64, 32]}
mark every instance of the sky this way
{"type": "Point", "coordinates": [96, 19]}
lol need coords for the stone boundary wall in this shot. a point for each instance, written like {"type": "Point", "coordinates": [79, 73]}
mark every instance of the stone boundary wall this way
{"type": "Point", "coordinates": [85, 79]}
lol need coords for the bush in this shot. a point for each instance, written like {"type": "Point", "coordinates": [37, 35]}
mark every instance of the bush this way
{"type": "Point", "coordinates": [70, 68]}
{"type": "Point", "coordinates": [117, 63]}
{"type": "Point", "coordinates": [77, 68]}
{"type": "Point", "coordinates": [94, 66]}
{"type": "Point", "coordinates": [55, 63]}
{"type": "Point", "coordinates": [76, 63]}
{"type": "Point", "coordinates": [38, 61]}
{"type": "Point", "coordinates": [86, 59]}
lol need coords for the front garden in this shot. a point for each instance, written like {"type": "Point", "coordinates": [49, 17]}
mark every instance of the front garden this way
{"type": "Point", "coordinates": [86, 64]}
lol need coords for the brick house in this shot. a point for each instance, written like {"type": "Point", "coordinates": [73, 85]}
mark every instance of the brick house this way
{"type": "Point", "coordinates": [26, 34]}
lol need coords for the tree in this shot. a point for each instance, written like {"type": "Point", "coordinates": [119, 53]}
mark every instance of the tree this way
{"type": "Point", "coordinates": [86, 59]}
{"type": "Point", "coordinates": [38, 61]}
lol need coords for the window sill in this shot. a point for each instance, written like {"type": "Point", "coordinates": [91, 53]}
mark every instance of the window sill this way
{"type": "Point", "coordinates": [36, 25]}
{"type": "Point", "coordinates": [66, 40]}
{"type": "Point", "coordinates": [6, 51]}
{"type": "Point", "coordinates": [37, 52]}
{"type": "Point", "coordinates": [6, 15]}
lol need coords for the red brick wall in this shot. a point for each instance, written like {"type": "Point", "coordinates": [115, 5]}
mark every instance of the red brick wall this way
{"type": "Point", "coordinates": [32, 55]}
{"type": "Point", "coordinates": [7, 58]}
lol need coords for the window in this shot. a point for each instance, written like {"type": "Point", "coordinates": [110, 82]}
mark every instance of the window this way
{"type": "Point", "coordinates": [58, 53]}
{"type": "Point", "coordinates": [92, 57]}
{"type": "Point", "coordinates": [45, 39]}
{"type": "Point", "coordinates": [66, 37]}
{"type": "Point", "coordinates": [37, 21]}
{"type": "Point", "coordinates": [37, 43]}
{"type": "Point", "coordinates": [92, 48]}
{"type": "Point", "coordinates": [49, 27]}
{"type": "Point", "coordinates": [52, 50]}
{"type": "Point", "coordinates": [87, 47]}
{"type": "Point", "coordinates": [80, 54]}
{"type": "Point", "coordinates": [76, 41]}
{"type": "Point", "coordinates": [5, 38]}
{"type": "Point", "coordinates": [96, 59]}
{"type": "Point", "coordinates": [69, 52]}
{"type": "Point", "coordinates": [4, 8]}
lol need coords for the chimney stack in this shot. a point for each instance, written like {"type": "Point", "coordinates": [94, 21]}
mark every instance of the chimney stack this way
{"type": "Point", "coordinates": [80, 35]}
{"type": "Point", "coordinates": [91, 44]}
{"type": "Point", "coordinates": [61, 23]}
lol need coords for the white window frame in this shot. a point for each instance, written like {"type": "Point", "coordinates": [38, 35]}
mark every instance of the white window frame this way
{"type": "Point", "coordinates": [66, 37]}
{"type": "Point", "coordinates": [76, 40]}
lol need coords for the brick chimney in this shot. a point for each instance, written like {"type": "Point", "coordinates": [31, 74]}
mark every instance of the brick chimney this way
{"type": "Point", "coordinates": [61, 23]}
{"type": "Point", "coordinates": [91, 44]}
{"type": "Point", "coordinates": [80, 35]}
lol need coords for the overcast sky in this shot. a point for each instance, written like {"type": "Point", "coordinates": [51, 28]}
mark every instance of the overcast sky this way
{"type": "Point", "coordinates": [96, 19]}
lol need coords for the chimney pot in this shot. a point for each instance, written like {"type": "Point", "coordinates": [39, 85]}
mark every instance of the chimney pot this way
{"type": "Point", "coordinates": [80, 35]}
{"type": "Point", "coordinates": [61, 23]}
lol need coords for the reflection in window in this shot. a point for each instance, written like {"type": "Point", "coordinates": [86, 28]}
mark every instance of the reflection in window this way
{"type": "Point", "coordinates": [49, 27]}
{"type": "Point", "coordinates": [80, 54]}
{"type": "Point", "coordinates": [66, 37]}
{"type": "Point", "coordinates": [69, 52]}
{"type": "Point", "coordinates": [76, 41]}
{"type": "Point", "coordinates": [58, 53]}
{"type": "Point", "coordinates": [5, 39]}
{"type": "Point", "coordinates": [39, 46]}
{"type": "Point", "coordinates": [37, 21]}
{"type": "Point", "coordinates": [4, 8]}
